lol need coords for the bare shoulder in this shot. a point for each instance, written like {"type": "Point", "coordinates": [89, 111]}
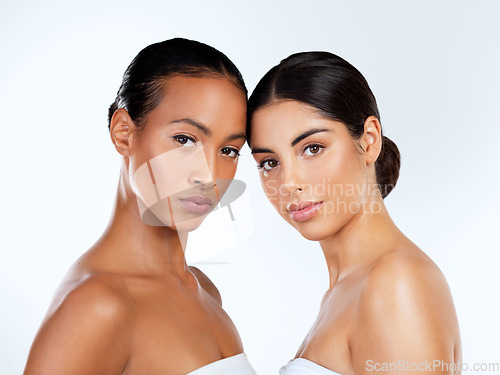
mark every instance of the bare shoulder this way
{"type": "Point", "coordinates": [405, 311]}
{"type": "Point", "coordinates": [403, 274]}
{"type": "Point", "coordinates": [401, 265]}
{"type": "Point", "coordinates": [86, 329]}
{"type": "Point", "coordinates": [206, 284]}
{"type": "Point", "coordinates": [100, 295]}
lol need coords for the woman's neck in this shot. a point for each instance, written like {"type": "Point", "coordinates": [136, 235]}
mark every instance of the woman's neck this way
{"type": "Point", "coordinates": [362, 240]}
{"type": "Point", "coordinates": [144, 248]}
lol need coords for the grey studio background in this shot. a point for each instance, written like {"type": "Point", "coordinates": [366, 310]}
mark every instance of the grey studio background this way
{"type": "Point", "coordinates": [433, 66]}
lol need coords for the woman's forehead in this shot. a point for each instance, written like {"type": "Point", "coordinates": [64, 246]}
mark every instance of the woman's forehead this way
{"type": "Point", "coordinates": [205, 103]}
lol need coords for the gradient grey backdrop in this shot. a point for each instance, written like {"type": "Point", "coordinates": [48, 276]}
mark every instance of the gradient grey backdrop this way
{"type": "Point", "coordinates": [433, 66]}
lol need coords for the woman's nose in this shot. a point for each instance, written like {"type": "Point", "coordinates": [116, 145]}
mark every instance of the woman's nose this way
{"type": "Point", "coordinates": [202, 168]}
{"type": "Point", "coordinates": [291, 181]}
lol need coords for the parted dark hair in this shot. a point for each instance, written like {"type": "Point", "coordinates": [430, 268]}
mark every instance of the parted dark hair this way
{"type": "Point", "coordinates": [142, 87]}
{"type": "Point", "coordinates": [338, 91]}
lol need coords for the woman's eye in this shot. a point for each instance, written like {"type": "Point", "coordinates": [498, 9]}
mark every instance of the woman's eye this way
{"type": "Point", "coordinates": [229, 151]}
{"type": "Point", "coordinates": [185, 140]}
{"type": "Point", "coordinates": [313, 149]}
{"type": "Point", "coordinates": [267, 165]}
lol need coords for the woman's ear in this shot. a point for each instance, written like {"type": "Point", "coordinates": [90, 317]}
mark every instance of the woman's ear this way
{"type": "Point", "coordinates": [120, 129]}
{"type": "Point", "coordinates": [371, 140]}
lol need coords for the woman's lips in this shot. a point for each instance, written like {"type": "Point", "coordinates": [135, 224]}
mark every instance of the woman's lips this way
{"type": "Point", "coordinates": [197, 204]}
{"type": "Point", "coordinates": [303, 211]}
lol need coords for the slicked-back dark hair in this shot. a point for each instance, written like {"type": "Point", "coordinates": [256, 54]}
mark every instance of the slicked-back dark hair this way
{"type": "Point", "coordinates": [142, 88]}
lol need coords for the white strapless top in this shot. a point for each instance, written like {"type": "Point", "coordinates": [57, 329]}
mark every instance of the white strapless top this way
{"type": "Point", "coordinates": [235, 365]}
{"type": "Point", "coordinates": [302, 366]}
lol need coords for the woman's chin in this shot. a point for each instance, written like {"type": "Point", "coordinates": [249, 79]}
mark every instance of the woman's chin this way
{"type": "Point", "coordinates": [310, 230]}
{"type": "Point", "coordinates": [160, 215]}
{"type": "Point", "coordinates": [181, 224]}
{"type": "Point", "coordinates": [188, 225]}
{"type": "Point", "coordinates": [313, 235]}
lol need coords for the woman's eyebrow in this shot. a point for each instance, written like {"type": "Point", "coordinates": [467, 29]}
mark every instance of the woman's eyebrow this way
{"type": "Point", "coordinates": [307, 134]}
{"type": "Point", "coordinates": [260, 150]}
{"type": "Point", "coordinates": [205, 129]}
{"type": "Point", "coordinates": [235, 136]}
{"type": "Point", "coordinates": [194, 123]}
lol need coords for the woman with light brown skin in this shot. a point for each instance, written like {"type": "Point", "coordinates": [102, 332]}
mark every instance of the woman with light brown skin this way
{"type": "Point", "coordinates": [131, 304]}
{"type": "Point", "coordinates": [314, 130]}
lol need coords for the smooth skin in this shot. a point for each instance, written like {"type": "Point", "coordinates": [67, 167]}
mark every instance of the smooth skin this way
{"type": "Point", "coordinates": [131, 304]}
{"type": "Point", "coordinates": [387, 301]}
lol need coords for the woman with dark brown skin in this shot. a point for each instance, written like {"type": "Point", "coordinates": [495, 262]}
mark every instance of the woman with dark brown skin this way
{"type": "Point", "coordinates": [131, 304]}
{"type": "Point", "coordinates": [314, 130]}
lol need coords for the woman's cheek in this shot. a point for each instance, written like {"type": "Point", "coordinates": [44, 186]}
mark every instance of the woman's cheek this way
{"type": "Point", "coordinates": [272, 189]}
{"type": "Point", "coordinates": [227, 170]}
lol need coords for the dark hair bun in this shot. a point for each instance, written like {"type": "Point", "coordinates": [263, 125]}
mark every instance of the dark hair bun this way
{"type": "Point", "coordinates": [387, 166]}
